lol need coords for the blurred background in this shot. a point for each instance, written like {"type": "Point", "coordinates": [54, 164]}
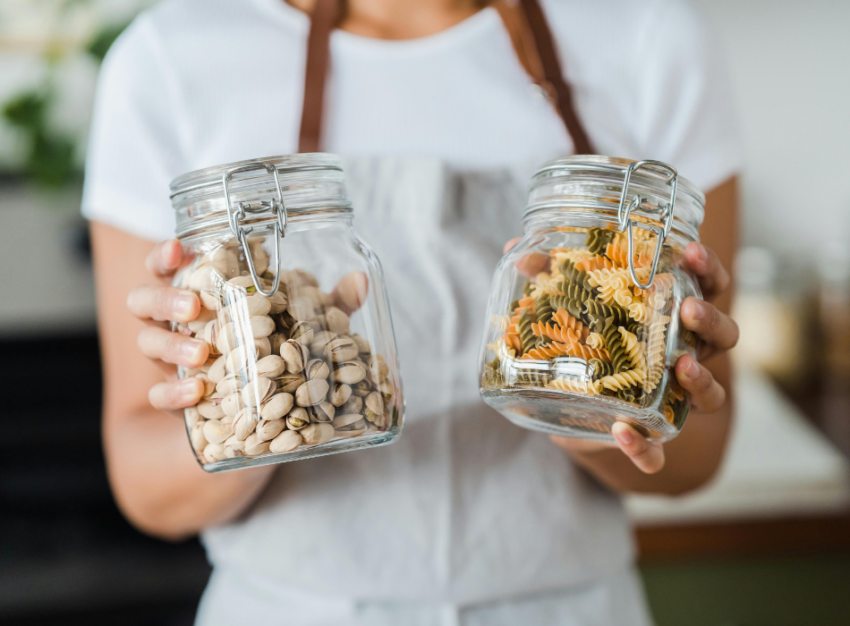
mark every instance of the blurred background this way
{"type": "Point", "coordinates": [767, 544]}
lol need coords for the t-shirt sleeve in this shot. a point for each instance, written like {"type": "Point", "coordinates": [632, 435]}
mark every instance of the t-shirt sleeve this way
{"type": "Point", "coordinates": [136, 147]}
{"type": "Point", "coordinates": [685, 113]}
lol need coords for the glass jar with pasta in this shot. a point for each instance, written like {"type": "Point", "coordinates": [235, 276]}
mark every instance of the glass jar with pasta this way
{"type": "Point", "coordinates": [583, 324]}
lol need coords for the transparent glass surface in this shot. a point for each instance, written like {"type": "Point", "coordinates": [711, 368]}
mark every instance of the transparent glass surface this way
{"type": "Point", "coordinates": [311, 370]}
{"type": "Point", "coordinates": [572, 345]}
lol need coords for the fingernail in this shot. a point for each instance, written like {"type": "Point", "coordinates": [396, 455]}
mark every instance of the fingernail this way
{"type": "Point", "coordinates": [624, 436]}
{"type": "Point", "coordinates": [698, 309]}
{"type": "Point", "coordinates": [184, 305]}
{"type": "Point", "coordinates": [191, 349]}
{"type": "Point", "coordinates": [691, 371]}
{"type": "Point", "coordinates": [702, 253]}
{"type": "Point", "coordinates": [188, 388]}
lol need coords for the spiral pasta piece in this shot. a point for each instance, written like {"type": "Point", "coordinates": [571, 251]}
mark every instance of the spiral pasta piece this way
{"type": "Point", "coordinates": [544, 309]}
{"type": "Point", "coordinates": [566, 383]}
{"type": "Point", "coordinates": [596, 340]}
{"type": "Point", "coordinates": [565, 320]}
{"type": "Point", "coordinates": [556, 333]}
{"type": "Point", "coordinates": [598, 239]}
{"type": "Point", "coordinates": [622, 380]}
{"type": "Point", "coordinates": [616, 348]}
{"type": "Point", "coordinates": [601, 368]}
{"type": "Point", "coordinates": [633, 349]}
{"type": "Point", "coordinates": [526, 334]}
{"type": "Point", "coordinates": [546, 352]}
{"type": "Point", "coordinates": [595, 263]}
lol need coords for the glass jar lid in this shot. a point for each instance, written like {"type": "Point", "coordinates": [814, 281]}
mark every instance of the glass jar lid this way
{"type": "Point", "coordinates": [646, 194]}
{"type": "Point", "coordinates": [303, 184]}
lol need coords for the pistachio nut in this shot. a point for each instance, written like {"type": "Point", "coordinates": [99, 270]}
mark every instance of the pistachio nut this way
{"type": "Point", "coordinates": [196, 327]}
{"type": "Point", "coordinates": [316, 434]}
{"type": "Point", "coordinates": [286, 441]}
{"type": "Point", "coordinates": [378, 368]}
{"type": "Point", "coordinates": [229, 384]}
{"type": "Point", "coordinates": [299, 277]}
{"type": "Point", "coordinates": [312, 392]}
{"type": "Point", "coordinates": [228, 337]}
{"type": "Point", "coordinates": [262, 326]}
{"type": "Point", "coordinates": [276, 340]}
{"type": "Point", "coordinates": [196, 436]}
{"type": "Point", "coordinates": [277, 303]}
{"type": "Point", "coordinates": [337, 321]}
{"type": "Point", "coordinates": [191, 416]}
{"type": "Point", "coordinates": [217, 371]}
{"type": "Point", "coordinates": [211, 409]}
{"type": "Point", "coordinates": [349, 421]}
{"type": "Point", "coordinates": [209, 300]}
{"type": "Point", "coordinates": [362, 345]}
{"type": "Point", "coordinates": [263, 347]}
{"type": "Point", "coordinates": [314, 294]}
{"type": "Point", "coordinates": [373, 408]}
{"type": "Point", "coordinates": [340, 393]}
{"type": "Point", "coordinates": [349, 373]}
{"type": "Point", "coordinates": [254, 446]}
{"type": "Point", "coordinates": [322, 412]}
{"type": "Point", "coordinates": [301, 332]}
{"type": "Point", "coordinates": [227, 420]}
{"type": "Point", "coordinates": [320, 340]}
{"type": "Point", "coordinates": [355, 430]}
{"type": "Point", "coordinates": [209, 386]}
{"type": "Point", "coordinates": [231, 452]}
{"type": "Point", "coordinates": [258, 391]}
{"type": "Point", "coordinates": [211, 336]}
{"type": "Point", "coordinates": [238, 359]}
{"type": "Point", "coordinates": [277, 406]}
{"type": "Point", "coordinates": [225, 261]}
{"type": "Point", "coordinates": [214, 452]}
{"type": "Point", "coordinates": [297, 419]}
{"type": "Point", "coordinates": [295, 355]}
{"type": "Point", "coordinates": [362, 389]}
{"type": "Point", "coordinates": [204, 278]}
{"type": "Point", "coordinates": [240, 283]}
{"type": "Point", "coordinates": [351, 290]}
{"type": "Point", "coordinates": [271, 366]}
{"type": "Point", "coordinates": [231, 404]}
{"type": "Point", "coordinates": [236, 444]}
{"type": "Point", "coordinates": [317, 368]}
{"type": "Point", "coordinates": [301, 308]}
{"type": "Point", "coordinates": [386, 387]}
{"type": "Point", "coordinates": [269, 429]}
{"type": "Point", "coordinates": [216, 432]}
{"type": "Point", "coordinates": [353, 405]}
{"type": "Point", "coordinates": [259, 256]}
{"type": "Point", "coordinates": [290, 382]}
{"type": "Point", "coordinates": [244, 424]}
{"type": "Point", "coordinates": [341, 349]}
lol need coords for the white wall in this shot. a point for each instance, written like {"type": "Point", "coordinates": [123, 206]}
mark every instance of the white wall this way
{"type": "Point", "coordinates": [790, 65]}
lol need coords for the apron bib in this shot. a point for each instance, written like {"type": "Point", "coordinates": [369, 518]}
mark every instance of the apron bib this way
{"type": "Point", "coordinates": [465, 507]}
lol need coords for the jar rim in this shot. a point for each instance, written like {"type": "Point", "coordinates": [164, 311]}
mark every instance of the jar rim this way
{"type": "Point", "coordinates": [594, 181]}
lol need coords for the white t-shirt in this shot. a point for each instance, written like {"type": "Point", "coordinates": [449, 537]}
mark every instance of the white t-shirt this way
{"type": "Point", "coordinates": [195, 83]}
{"type": "Point", "coordinates": [465, 507]}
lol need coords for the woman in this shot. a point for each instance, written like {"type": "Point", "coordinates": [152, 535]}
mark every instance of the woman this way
{"type": "Point", "coordinates": [466, 519]}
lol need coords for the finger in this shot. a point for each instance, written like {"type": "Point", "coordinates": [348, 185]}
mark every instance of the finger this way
{"type": "Point", "coordinates": [648, 456]}
{"type": "Point", "coordinates": [351, 291]}
{"type": "Point", "coordinates": [510, 244]}
{"type": "Point", "coordinates": [178, 394]}
{"type": "Point", "coordinates": [713, 277]}
{"type": "Point", "coordinates": [707, 395]}
{"type": "Point", "coordinates": [532, 264]}
{"type": "Point", "coordinates": [162, 304]}
{"type": "Point", "coordinates": [158, 343]}
{"type": "Point", "coordinates": [717, 330]}
{"type": "Point", "coordinates": [165, 258]}
{"type": "Point", "coordinates": [579, 445]}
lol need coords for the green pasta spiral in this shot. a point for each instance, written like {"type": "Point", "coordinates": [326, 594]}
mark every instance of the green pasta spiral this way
{"type": "Point", "coordinates": [598, 239]}
{"type": "Point", "coordinates": [526, 335]}
{"type": "Point", "coordinates": [544, 309]}
{"type": "Point", "coordinates": [570, 305]}
{"type": "Point", "coordinates": [526, 291]}
{"type": "Point", "coordinates": [594, 313]}
{"type": "Point", "coordinates": [532, 378]}
{"type": "Point", "coordinates": [577, 276]}
{"type": "Point", "coordinates": [614, 341]}
{"type": "Point", "coordinates": [601, 368]}
{"type": "Point", "coordinates": [574, 291]}
{"type": "Point", "coordinates": [631, 394]}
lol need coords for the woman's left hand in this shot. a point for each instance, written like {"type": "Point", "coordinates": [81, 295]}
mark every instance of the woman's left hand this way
{"type": "Point", "coordinates": [718, 333]}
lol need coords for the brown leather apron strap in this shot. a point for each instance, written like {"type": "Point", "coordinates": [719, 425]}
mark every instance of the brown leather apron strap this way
{"type": "Point", "coordinates": [530, 35]}
{"type": "Point", "coordinates": [535, 47]}
{"type": "Point", "coordinates": [327, 15]}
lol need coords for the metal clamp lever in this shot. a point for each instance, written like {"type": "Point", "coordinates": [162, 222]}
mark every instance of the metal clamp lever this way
{"type": "Point", "coordinates": [276, 207]}
{"type": "Point", "coordinates": [666, 215]}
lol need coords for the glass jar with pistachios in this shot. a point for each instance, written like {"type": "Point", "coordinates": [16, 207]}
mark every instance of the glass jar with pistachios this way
{"type": "Point", "coordinates": [583, 320]}
{"type": "Point", "coordinates": [293, 308]}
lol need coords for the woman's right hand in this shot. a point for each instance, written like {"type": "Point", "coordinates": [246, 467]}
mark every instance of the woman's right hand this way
{"type": "Point", "coordinates": [158, 304]}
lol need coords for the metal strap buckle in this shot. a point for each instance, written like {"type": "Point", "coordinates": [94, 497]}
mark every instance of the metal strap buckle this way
{"type": "Point", "coordinates": [666, 215]}
{"type": "Point", "coordinates": [275, 206]}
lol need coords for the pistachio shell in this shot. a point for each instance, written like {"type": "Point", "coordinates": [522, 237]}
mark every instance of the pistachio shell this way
{"type": "Point", "coordinates": [216, 432]}
{"type": "Point", "coordinates": [262, 326]}
{"type": "Point", "coordinates": [254, 446]}
{"type": "Point", "coordinates": [231, 405]}
{"type": "Point", "coordinates": [386, 387]}
{"type": "Point", "coordinates": [290, 382]}
{"type": "Point", "coordinates": [271, 366]}
{"type": "Point", "coordinates": [210, 409]}
{"type": "Point", "coordinates": [316, 434]}
{"type": "Point", "coordinates": [340, 394]}
{"type": "Point", "coordinates": [277, 303]}
{"type": "Point", "coordinates": [320, 340]}
{"type": "Point", "coordinates": [259, 256]}
{"type": "Point", "coordinates": [191, 416]}
{"type": "Point", "coordinates": [269, 429]}
{"type": "Point", "coordinates": [349, 373]}
{"type": "Point", "coordinates": [295, 355]}
{"type": "Point", "coordinates": [301, 332]}
{"type": "Point", "coordinates": [301, 308]}
{"type": "Point", "coordinates": [317, 368]}
{"type": "Point", "coordinates": [196, 436]}
{"type": "Point", "coordinates": [377, 368]}
{"type": "Point", "coordinates": [353, 405]}
{"type": "Point", "coordinates": [196, 327]}
{"type": "Point", "coordinates": [322, 412]}
{"type": "Point", "coordinates": [204, 278]}
{"type": "Point", "coordinates": [209, 386]}
{"type": "Point", "coordinates": [211, 335]}
{"type": "Point", "coordinates": [276, 340]}
{"type": "Point", "coordinates": [216, 372]}
{"type": "Point", "coordinates": [286, 441]}
{"type": "Point", "coordinates": [225, 262]}
{"type": "Point", "coordinates": [337, 321]}
{"type": "Point", "coordinates": [277, 406]}
{"type": "Point", "coordinates": [250, 306]}
{"type": "Point", "coordinates": [244, 424]}
{"type": "Point", "coordinates": [236, 444]}
{"type": "Point", "coordinates": [209, 301]}
{"type": "Point", "coordinates": [312, 392]}
{"type": "Point", "coordinates": [214, 452]}
{"type": "Point", "coordinates": [341, 349]}
{"type": "Point", "coordinates": [351, 290]}
{"type": "Point", "coordinates": [238, 359]}
{"type": "Point", "coordinates": [362, 345]}
{"type": "Point", "coordinates": [257, 391]}
{"type": "Point", "coordinates": [298, 418]}
{"type": "Point", "coordinates": [346, 419]}
{"type": "Point", "coordinates": [263, 347]}
{"type": "Point", "coordinates": [362, 389]}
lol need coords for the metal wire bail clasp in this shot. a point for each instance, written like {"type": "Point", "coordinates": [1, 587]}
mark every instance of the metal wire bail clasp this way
{"type": "Point", "coordinates": [275, 206]}
{"type": "Point", "coordinates": [666, 214]}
